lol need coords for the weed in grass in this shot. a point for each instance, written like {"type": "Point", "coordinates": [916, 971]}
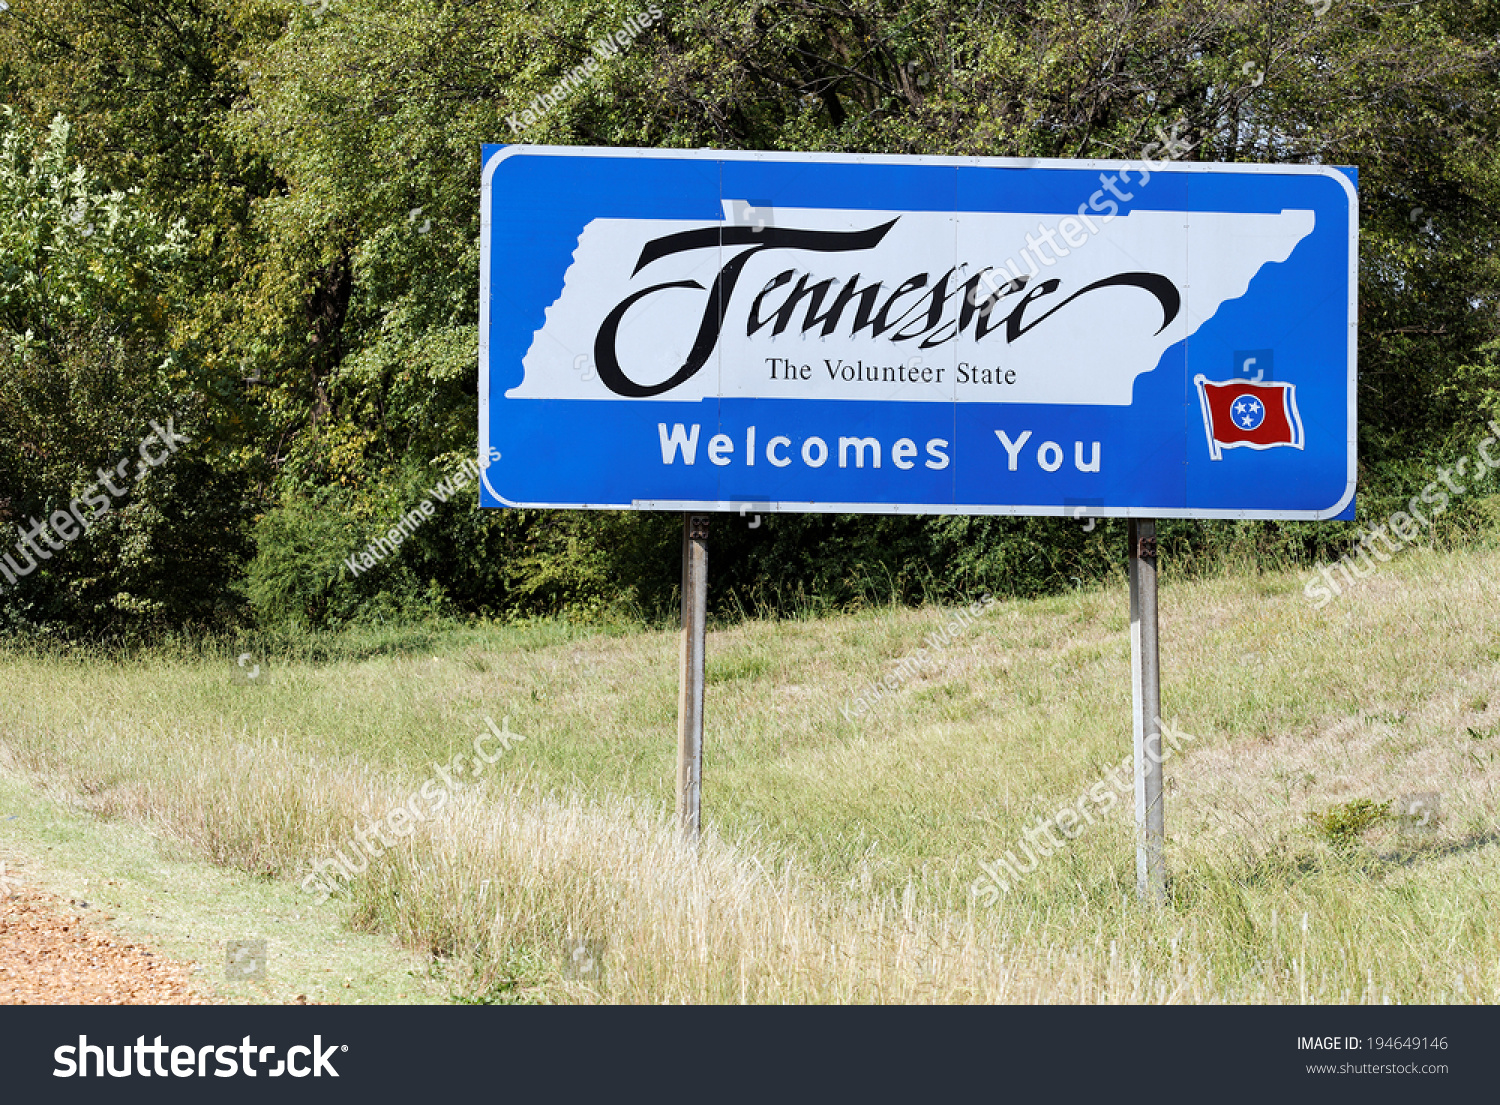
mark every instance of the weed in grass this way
{"type": "Point", "coordinates": [1344, 825]}
{"type": "Point", "coordinates": [726, 669]}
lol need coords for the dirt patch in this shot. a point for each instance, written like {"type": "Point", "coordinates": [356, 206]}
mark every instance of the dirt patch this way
{"type": "Point", "coordinates": [50, 955]}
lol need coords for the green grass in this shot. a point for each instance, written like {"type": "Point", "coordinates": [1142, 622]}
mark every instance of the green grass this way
{"type": "Point", "coordinates": [853, 832]}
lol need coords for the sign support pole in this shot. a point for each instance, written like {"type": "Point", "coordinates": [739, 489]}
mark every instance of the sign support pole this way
{"type": "Point", "coordinates": [690, 678]}
{"type": "Point", "coordinates": [1145, 694]}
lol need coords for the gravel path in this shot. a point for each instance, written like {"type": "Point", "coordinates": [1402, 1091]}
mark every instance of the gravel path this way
{"type": "Point", "coordinates": [50, 956]}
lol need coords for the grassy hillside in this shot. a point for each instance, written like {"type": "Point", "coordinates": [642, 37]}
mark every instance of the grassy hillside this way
{"type": "Point", "coordinates": [843, 847]}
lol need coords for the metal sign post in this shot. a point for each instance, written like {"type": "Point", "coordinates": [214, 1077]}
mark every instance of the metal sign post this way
{"type": "Point", "coordinates": [1145, 694]}
{"type": "Point", "coordinates": [690, 693]}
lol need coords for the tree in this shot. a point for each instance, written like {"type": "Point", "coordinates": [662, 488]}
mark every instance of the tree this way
{"type": "Point", "coordinates": [88, 286]}
{"type": "Point", "coordinates": [325, 159]}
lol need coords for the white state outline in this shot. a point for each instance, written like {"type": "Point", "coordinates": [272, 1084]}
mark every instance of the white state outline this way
{"type": "Point", "coordinates": [505, 152]}
{"type": "Point", "coordinates": [1288, 404]}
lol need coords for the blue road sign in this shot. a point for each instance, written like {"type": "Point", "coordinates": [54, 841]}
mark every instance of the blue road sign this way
{"type": "Point", "coordinates": [707, 330]}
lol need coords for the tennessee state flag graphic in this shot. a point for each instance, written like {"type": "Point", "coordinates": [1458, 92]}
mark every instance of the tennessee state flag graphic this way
{"type": "Point", "coordinates": [1255, 415]}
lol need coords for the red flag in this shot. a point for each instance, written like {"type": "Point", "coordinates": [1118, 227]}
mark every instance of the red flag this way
{"type": "Point", "coordinates": [1257, 416]}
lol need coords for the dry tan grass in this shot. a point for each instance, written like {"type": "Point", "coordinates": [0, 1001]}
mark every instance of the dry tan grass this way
{"type": "Point", "coordinates": [841, 859]}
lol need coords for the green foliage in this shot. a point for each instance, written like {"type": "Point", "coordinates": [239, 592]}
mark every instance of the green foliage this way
{"type": "Point", "coordinates": [1343, 825]}
{"type": "Point", "coordinates": [290, 580]}
{"type": "Point", "coordinates": [88, 286]}
{"type": "Point", "coordinates": [285, 249]}
{"type": "Point", "coordinates": [73, 253]}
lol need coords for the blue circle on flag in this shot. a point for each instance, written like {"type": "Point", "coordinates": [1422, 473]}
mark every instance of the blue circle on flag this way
{"type": "Point", "coordinates": [1248, 412]}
